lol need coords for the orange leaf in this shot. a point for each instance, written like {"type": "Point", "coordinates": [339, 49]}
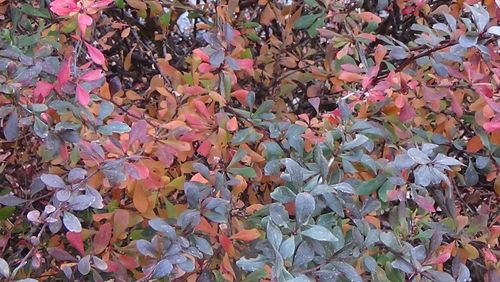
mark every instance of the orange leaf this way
{"type": "Point", "coordinates": [475, 144]}
{"type": "Point", "coordinates": [369, 17]}
{"type": "Point", "coordinates": [246, 235]}
{"type": "Point", "coordinates": [121, 219]}
{"type": "Point", "coordinates": [232, 124]}
{"type": "Point", "coordinates": [226, 244]}
{"type": "Point", "coordinates": [127, 63]}
{"type": "Point", "coordinates": [140, 199]}
{"type": "Point", "coordinates": [350, 77]}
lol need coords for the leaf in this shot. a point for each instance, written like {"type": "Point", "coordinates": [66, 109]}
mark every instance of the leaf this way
{"type": "Point", "coordinates": [53, 180]}
{"type": "Point", "coordinates": [358, 141]}
{"type": "Point", "coordinates": [11, 200]}
{"type": "Point", "coordinates": [287, 248]}
{"type": "Point", "coordinates": [146, 248]}
{"type": "Point", "coordinates": [102, 238]}
{"type": "Point", "coordinates": [251, 264]}
{"type": "Point", "coordinates": [403, 265]}
{"type": "Point", "coordinates": [494, 30]}
{"type": "Point", "coordinates": [246, 235]}
{"type": "Point", "coordinates": [471, 176]}
{"type": "Point", "coordinates": [274, 235]}
{"type": "Point", "coordinates": [304, 254]}
{"type": "Point", "coordinates": [348, 271]}
{"type": "Point", "coordinates": [4, 268]}
{"type": "Point", "coordinates": [162, 269]}
{"type": "Point", "coordinates": [425, 203]}
{"type": "Point", "coordinates": [306, 21]}
{"type": "Point", "coordinates": [140, 199]}
{"type": "Point", "coordinates": [71, 222]}
{"type": "Point", "coordinates": [304, 207]}
{"type": "Point", "coordinates": [114, 127]}
{"type": "Point", "coordinates": [161, 225]}
{"type": "Point", "coordinates": [203, 245]}
{"type": "Point", "coordinates": [84, 265]}
{"type": "Point", "coordinates": [96, 55]}
{"type": "Point", "coordinates": [370, 186]}
{"type": "Point", "coordinates": [444, 160]}
{"type": "Point", "coordinates": [468, 40]}
{"type": "Point", "coordinates": [320, 233]}
{"type": "Point", "coordinates": [217, 58]}
{"type": "Point", "coordinates": [75, 239]}
{"type": "Point", "coordinates": [418, 156]}
{"type": "Point", "coordinates": [247, 172]}
{"type": "Point", "coordinates": [440, 276]}
{"type": "Point", "coordinates": [11, 129]}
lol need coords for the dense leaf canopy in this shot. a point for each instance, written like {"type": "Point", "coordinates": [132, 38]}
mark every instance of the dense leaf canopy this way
{"type": "Point", "coordinates": [251, 140]}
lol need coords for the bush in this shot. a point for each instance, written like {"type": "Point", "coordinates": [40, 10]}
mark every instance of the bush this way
{"type": "Point", "coordinates": [249, 140]}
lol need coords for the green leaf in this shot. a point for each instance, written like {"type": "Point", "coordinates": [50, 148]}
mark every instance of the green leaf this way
{"type": "Point", "coordinates": [370, 186]}
{"type": "Point", "coordinates": [306, 21]}
{"type": "Point", "coordinates": [6, 212]}
{"type": "Point", "coordinates": [165, 19]}
{"type": "Point", "coordinates": [35, 12]}
{"type": "Point", "coordinates": [114, 127]}
{"type": "Point", "coordinates": [384, 189]}
{"type": "Point", "coordinates": [320, 233]}
{"type": "Point", "coordinates": [247, 172]}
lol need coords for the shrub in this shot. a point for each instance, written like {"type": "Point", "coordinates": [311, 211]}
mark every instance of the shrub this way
{"type": "Point", "coordinates": [249, 140]}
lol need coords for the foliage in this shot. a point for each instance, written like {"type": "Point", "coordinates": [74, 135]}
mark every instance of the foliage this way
{"type": "Point", "coordinates": [249, 140]}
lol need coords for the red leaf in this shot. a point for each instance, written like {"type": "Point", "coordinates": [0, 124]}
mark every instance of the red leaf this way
{"type": "Point", "coordinates": [101, 239]}
{"type": "Point", "coordinates": [42, 89]}
{"type": "Point", "coordinates": [96, 55]}
{"type": "Point", "coordinates": [75, 239]}
{"type": "Point", "coordinates": [246, 65]}
{"type": "Point", "coordinates": [204, 148]}
{"type": "Point", "coordinates": [83, 22]}
{"type": "Point", "coordinates": [63, 75]}
{"type": "Point", "coordinates": [129, 262]}
{"type": "Point", "coordinates": [92, 75]}
{"type": "Point", "coordinates": [82, 95]}
{"type": "Point", "coordinates": [443, 256]}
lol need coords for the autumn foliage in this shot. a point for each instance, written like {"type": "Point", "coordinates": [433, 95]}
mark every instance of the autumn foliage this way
{"type": "Point", "coordinates": [251, 140]}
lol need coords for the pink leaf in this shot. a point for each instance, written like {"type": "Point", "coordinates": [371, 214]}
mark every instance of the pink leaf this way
{"type": "Point", "coordinates": [424, 203]}
{"type": "Point", "coordinates": [42, 89]}
{"type": "Point", "coordinates": [138, 132]}
{"type": "Point", "coordinates": [204, 57]}
{"type": "Point", "coordinates": [201, 108]}
{"type": "Point", "coordinates": [63, 75]}
{"type": "Point", "coordinates": [83, 22]}
{"type": "Point", "coordinates": [75, 239]}
{"type": "Point", "coordinates": [204, 148]}
{"type": "Point", "coordinates": [246, 65]}
{"type": "Point", "coordinates": [241, 96]}
{"type": "Point", "coordinates": [96, 55]}
{"type": "Point", "coordinates": [92, 75]}
{"type": "Point", "coordinates": [63, 7]}
{"type": "Point", "coordinates": [492, 126]}
{"type": "Point", "coordinates": [82, 95]}
{"type": "Point", "coordinates": [444, 255]}
{"type": "Point", "coordinates": [407, 112]}
{"type": "Point", "coordinates": [204, 68]}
